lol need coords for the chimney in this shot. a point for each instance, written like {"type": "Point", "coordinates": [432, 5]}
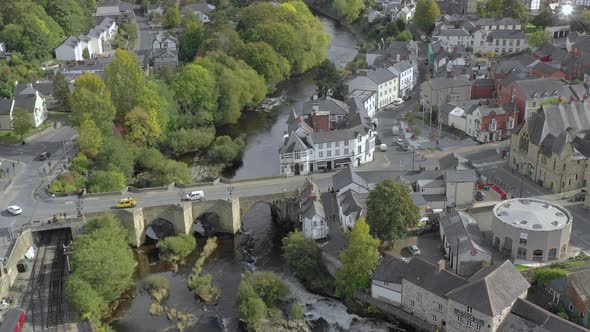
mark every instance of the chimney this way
{"type": "Point", "coordinates": [316, 107]}
{"type": "Point", "coordinates": [441, 265]}
{"type": "Point", "coordinates": [397, 57]}
{"type": "Point", "coordinates": [30, 85]}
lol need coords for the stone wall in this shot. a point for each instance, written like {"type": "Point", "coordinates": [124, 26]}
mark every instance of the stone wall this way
{"type": "Point", "coordinates": [8, 271]}
{"type": "Point", "coordinates": [423, 304]}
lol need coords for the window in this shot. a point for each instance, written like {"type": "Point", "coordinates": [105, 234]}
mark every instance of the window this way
{"type": "Point", "coordinates": [321, 154]}
{"type": "Point", "coordinates": [412, 303]}
{"type": "Point", "coordinates": [571, 307]}
{"type": "Point", "coordinates": [459, 319]}
{"type": "Point", "coordinates": [329, 153]}
{"type": "Point", "coordinates": [321, 145]}
{"type": "Point", "coordinates": [337, 152]}
{"type": "Point", "coordinates": [469, 309]}
{"type": "Point", "coordinates": [297, 154]}
{"type": "Point", "coordinates": [518, 42]}
{"type": "Point", "coordinates": [359, 150]}
{"type": "Point", "coordinates": [434, 318]}
{"type": "Point", "coordinates": [360, 138]}
{"type": "Point", "coordinates": [345, 150]}
{"type": "Point", "coordinates": [469, 323]}
{"type": "Point", "coordinates": [534, 104]}
{"type": "Point", "coordinates": [337, 143]}
{"type": "Point", "coordinates": [478, 327]}
{"type": "Point", "coordinates": [504, 42]}
{"type": "Point", "coordinates": [440, 308]}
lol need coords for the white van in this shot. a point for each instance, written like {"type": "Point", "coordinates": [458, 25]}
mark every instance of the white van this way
{"type": "Point", "coordinates": [197, 195]}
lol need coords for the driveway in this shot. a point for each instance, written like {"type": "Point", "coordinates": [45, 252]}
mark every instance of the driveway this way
{"type": "Point", "coordinates": [429, 245]}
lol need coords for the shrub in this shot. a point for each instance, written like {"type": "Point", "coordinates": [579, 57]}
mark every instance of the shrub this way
{"type": "Point", "coordinates": [176, 248]}
{"type": "Point", "coordinates": [157, 286]}
{"type": "Point", "coordinates": [69, 182]}
{"type": "Point", "coordinates": [187, 140]}
{"type": "Point", "coordinates": [268, 286]}
{"type": "Point", "coordinates": [106, 181]}
{"type": "Point", "coordinates": [224, 150]}
{"type": "Point", "coordinates": [546, 275]}
{"type": "Point", "coordinates": [251, 308]}
{"type": "Point", "coordinates": [296, 312]}
{"type": "Point", "coordinates": [80, 164]}
{"type": "Point", "coordinates": [204, 288]}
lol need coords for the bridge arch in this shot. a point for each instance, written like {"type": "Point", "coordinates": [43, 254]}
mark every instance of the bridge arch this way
{"type": "Point", "coordinates": [159, 229]}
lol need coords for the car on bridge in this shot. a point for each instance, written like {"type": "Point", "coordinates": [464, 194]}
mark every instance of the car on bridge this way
{"type": "Point", "coordinates": [126, 203]}
{"type": "Point", "coordinates": [197, 195]}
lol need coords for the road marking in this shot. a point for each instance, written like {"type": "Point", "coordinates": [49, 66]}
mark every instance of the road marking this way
{"type": "Point", "coordinates": [579, 238]}
{"type": "Point", "coordinates": [68, 202]}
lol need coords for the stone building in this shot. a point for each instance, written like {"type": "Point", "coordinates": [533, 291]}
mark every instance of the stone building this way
{"type": "Point", "coordinates": [552, 147]}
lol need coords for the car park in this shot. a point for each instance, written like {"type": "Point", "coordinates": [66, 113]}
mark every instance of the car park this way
{"type": "Point", "coordinates": [45, 156]}
{"type": "Point", "coordinates": [14, 210]}
{"type": "Point", "coordinates": [126, 203]}
{"type": "Point", "coordinates": [197, 195]}
{"type": "Point", "coordinates": [414, 250]}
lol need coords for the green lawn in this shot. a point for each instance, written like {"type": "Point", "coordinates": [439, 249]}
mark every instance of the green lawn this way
{"type": "Point", "coordinates": [531, 29]}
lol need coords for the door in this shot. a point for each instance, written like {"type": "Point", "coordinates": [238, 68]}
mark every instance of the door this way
{"type": "Point", "coordinates": [297, 169]}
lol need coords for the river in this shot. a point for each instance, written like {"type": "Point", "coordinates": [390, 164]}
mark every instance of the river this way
{"type": "Point", "coordinates": [232, 258]}
{"type": "Point", "coordinates": [265, 130]}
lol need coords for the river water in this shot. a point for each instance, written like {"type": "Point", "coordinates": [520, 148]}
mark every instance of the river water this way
{"type": "Point", "coordinates": [265, 130]}
{"type": "Point", "coordinates": [258, 248]}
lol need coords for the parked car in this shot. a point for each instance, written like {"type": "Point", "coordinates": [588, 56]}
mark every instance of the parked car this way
{"type": "Point", "coordinates": [399, 141]}
{"type": "Point", "coordinates": [406, 147]}
{"type": "Point", "coordinates": [14, 210]}
{"type": "Point", "coordinates": [383, 147]}
{"type": "Point", "coordinates": [478, 196]}
{"type": "Point", "coordinates": [126, 203]}
{"type": "Point", "coordinates": [197, 195]}
{"type": "Point", "coordinates": [44, 155]}
{"type": "Point", "coordinates": [407, 97]}
{"type": "Point", "coordinates": [580, 197]}
{"type": "Point", "coordinates": [397, 101]}
{"type": "Point", "coordinates": [414, 250]}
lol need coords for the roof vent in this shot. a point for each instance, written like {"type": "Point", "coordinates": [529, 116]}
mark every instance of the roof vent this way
{"type": "Point", "coordinates": [555, 223]}
{"type": "Point", "coordinates": [524, 222]}
{"type": "Point", "coordinates": [559, 214]}
{"type": "Point", "coordinates": [547, 206]}
{"type": "Point", "coordinates": [507, 205]}
{"type": "Point", "coordinates": [502, 213]}
{"type": "Point", "coordinates": [537, 226]}
{"type": "Point", "coordinates": [525, 202]}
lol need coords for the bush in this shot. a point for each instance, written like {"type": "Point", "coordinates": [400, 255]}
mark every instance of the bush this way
{"type": "Point", "coordinates": [176, 248]}
{"type": "Point", "coordinates": [296, 312]}
{"type": "Point", "coordinates": [187, 140]}
{"type": "Point", "coordinates": [224, 150]}
{"type": "Point", "coordinates": [157, 286]}
{"type": "Point", "coordinates": [544, 276]}
{"type": "Point", "coordinates": [80, 164]}
{"type": "Point", "coordinates": [106, 181]}
{"type": "Point", "coordinates": [204, 288]}
{"type": "Point", "coordinates": [268, 286]}
{"type": "Point", "coordinates": [69, 182]}
{"type": "Point", "coordinates": [251, 308]}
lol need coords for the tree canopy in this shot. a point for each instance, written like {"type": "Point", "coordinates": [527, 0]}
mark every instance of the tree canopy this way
{"type": "Point", "coordinates": [391, 211]}
{"type": "Point", "coordinates": [92, 100]}
{"type": "Point", "coordinates": [426, 13]}
{"type": "Point", "coordinates": [125, 80]}
{"type": "Point", "coordinates": [503, 8]}
{"type": "Point", "coordinates": [90, 138]}
{"type": "Point", "coordinates": [21, 122]}
{"type": "Point", "coordinates": [349, 9]}
{"type": "Point", "coordinates": [102, 266]}
{"type": "Point", "coordinates": [358, 261]}
{"type": "Point", "coordinates": [537, 39]}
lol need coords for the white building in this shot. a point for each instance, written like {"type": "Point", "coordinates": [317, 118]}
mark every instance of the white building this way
{"type": "Point", "coordinates": [96, 41]}
{"type": "Point", "coordinates": [368, 97]}
{"type": "Point", "coordinates": [382, 81]}
{"type": "Point", "coordinates": [316, 142]}
{"type": "Point", "coordinates": [496, 35]}
{"type": "Point", "coordinates": [312, 216]}
{"type": "Point", "coordinates": [405, 73]}
{"type": "Point", "coordinates": [352, 192]}
{"type": "Point", "coordinates": [28, 99]}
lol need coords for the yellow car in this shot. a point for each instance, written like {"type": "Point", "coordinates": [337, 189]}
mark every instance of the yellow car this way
{"type": "Point", "coordinates": [126, 203]}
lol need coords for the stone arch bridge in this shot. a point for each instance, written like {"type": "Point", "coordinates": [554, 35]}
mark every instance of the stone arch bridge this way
{"type": "Point", "coordinates": [284, 209]}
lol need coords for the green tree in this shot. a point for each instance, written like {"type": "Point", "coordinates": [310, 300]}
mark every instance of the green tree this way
{"type": "Point", "coordinates": [391, 211]}
{"type": "Point", "coordinates": [190, 40]}
{"type": "Point", "coordinates": [102, 266]}
{"type": "Point", "coordinates": [268, 286]}
{"type": "Point", "coordinates": [301, 254]}
{"type": "Point", "coordinates": [327, 77]}
{"type": "Point", "coordinates": [183, 140]}
{"type": "Point", "coordinates": [116, 155]}
{"type": "Point", "coordinates": [61, 92]}
{"type": "Point", "coordinates": [349, 9]}
{"type": "Point", "coordinates": [171, 18]}
{"type": "Point", "coordinates": [268, 63]}
{"type": "Point", "coordinates": [546, 275]}
{"type": "Point", "coordinates": [156, 98]}
{"type": "Point", "coordinates": [177, 247]}
{"type": "Point", "coordinates": [537, 39]}
{"type": "Point", "coordinates": [224, 150]}
{"type": "Point", "coordinates": [90, 137]}
{"type": "Point", "coordinates": [126, 81]}
{"type": "Point", "coordinates": [21, 122]}
{"type": "Point", "coordinates": [85, 53]}
{"type": "Point", "coordinates": [251, 308]}
{"type": "Point", "coordinates": [195, 89]}
{"type": "Point", "coordinates": [358, 261]}
{"type": "Point", "coordinates": [106, 181]}
{"type": "Point", "coordinates": [544, 18]}
{"type": "Point", "coordinates": [92, 100]}
{"type": "Point", "coordinates": [405, 35]}
{"type": "Point", "coordinates": [143, 128]}
{"type": "Point", "coordinates": [69, 15]}
{"type": "Point", "coordinates": [426, 13]}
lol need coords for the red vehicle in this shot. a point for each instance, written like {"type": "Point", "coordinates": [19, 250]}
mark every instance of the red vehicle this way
{"type": "Point", "coordinates": [13, 320]}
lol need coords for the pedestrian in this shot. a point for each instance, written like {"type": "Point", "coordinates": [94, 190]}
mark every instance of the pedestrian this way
{"type": "Point", "coordinates": [65, 216]}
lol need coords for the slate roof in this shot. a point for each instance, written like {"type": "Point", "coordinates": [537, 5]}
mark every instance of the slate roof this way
{"type": "Point", "coordinates": [497, 21]}
{"type": "Point", "coordinates": [582, 43]}
{"type": "Point", "coordinates": [548, 49]}
{"type": "Point", "coordinates": [545, 68]}
{"type": "Point", "coordinates": [580, 281]}
{"type": "Point", "coordinates": [5, 106]}
{"type": "Point", "coordinates": [326, 105]}
{"type": "Point", "coordinates": [202, 7]}
{"type": "Point", "coordinates": [347, 176]}
{"type": "Point", "coordinates": [467, 175]}
{"type": "Point", "coordinates": [26, 102]}
{"type": "Point", "coordinates": [506, 34]}
{"type": "Point", "coordinates": [426, 275]}
{"type": "Point", "coordinates": [548, 126]}
{"type": "Point", "coordinates": [390, 270]}
{"type": "Point", "coordinates": [452, 32]}
{"type": "Point", "coordinates": [418, 198]}
{"type": "Point", "coordinates": [491, 289]}
{"type": "Point", "coordinates": [444, 83]}
{"type": "Point", "coordinates": [542, 318]}
{"type": "Point", "coordinates": [462, 232]}
{"type": "Point", "coordinates": [352, 204]}
{"type": "Point", "coordinates": [311, 203]}
{"type": "Point", "coordinates": [293, 143]}
{"type": "Point", "coordinates": [381, 75]}
{"type": "Point", "coordinates": [430, 183]}
{"type": "Point", "coordinates": [553, 87]}
{"type": "Point", "coordinates": [483, 82]}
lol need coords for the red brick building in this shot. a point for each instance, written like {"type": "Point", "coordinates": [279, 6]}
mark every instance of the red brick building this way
{"type": "Point", "coordinates": [483, 88]}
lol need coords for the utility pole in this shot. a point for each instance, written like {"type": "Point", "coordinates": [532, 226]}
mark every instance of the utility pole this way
{"type": "Point", "coordinates": [413, 157]}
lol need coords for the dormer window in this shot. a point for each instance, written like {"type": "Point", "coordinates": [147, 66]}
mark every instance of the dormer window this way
{"type": "Point", "coordinates": [544, 94]}
{"type": "Point", "coordinates": [555, 93]}
{"type": "Point", "coordinates": [535, 95]}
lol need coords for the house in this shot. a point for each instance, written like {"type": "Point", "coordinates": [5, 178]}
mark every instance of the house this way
{"type": "Point", "coordinates": [405, 73]}
{"type": "Point", "coordinates": [552, 148]}
{"type": "Point", "coordinates": [491, 122]}
{"type": "Point", "coordinates": [573, 292]}
{"type": "Point", "coordinates": [382, 81]}
{"type": "Point", "coordinates": [27, 98]}
{"type": "Point", "coordinates": [463, 243]}
{"type": "Point", "coordinates": [154, 9]}
{"type": "Point", "coordinates": [483, 88]}
{"type": "Point", "coordinates": [542, 70]}
{"type": "Point", "coordinates": [96, 66]}
{"type": "Point", "coordinates": [550, 53]}
{"type": "Point", "coordinates": [45, 89]}
{"type": "Point", "coordinates": [2, 48]}
{"type": "Point", "coordinates": [164, 50]}
{"type": "Point", "coordinates": [320, 138]}
{"type": "Point", "coordinates": [367, 97]}
{"type": "Point", "coordinates": [454, 114]}
{"type": "Point", "coordinates": [199, 9]}
{"type": "Point", "coordinates": [439, 297]}
{"type": "Point", "coordinates": [120, 11]}
{"type": "Point", "coordinates": [526, 316]}
{"type": "Point", "coordinates": [95, 42]}
{"type": "Point", "coordinates": [387, 55]}
{"type": "Point", "coordinates": [312, 215]}
{"type": "Point", "coordinates": [483, 35]}
{"type": "Point", "coordinates": [351, 195]}
{"type": "Point", "coordinates": [438, 91]}
{"type": "Point", "coordinates": [530, 94]}
{"type": "Point", "coordinates": [515, 64]}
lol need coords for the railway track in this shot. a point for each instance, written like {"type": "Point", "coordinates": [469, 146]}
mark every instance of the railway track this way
{"type": "Point", "coordinates": [45, 297]}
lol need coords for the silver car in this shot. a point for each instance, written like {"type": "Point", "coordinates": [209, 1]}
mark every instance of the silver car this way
{"type": "Point", "coordinates": [414, 250]}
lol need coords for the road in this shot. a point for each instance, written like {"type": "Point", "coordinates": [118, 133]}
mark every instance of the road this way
{"type": "Point", "coordinates": [146, 33]}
